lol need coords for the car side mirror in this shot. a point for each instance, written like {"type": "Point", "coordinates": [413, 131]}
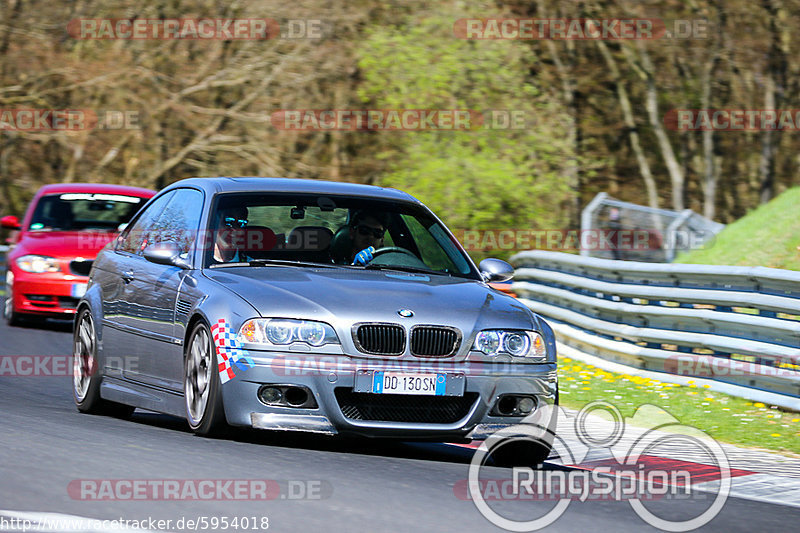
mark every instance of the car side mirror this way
{"type": "Point", "coordinates": [166, 253]}
{"type": "Point", "coordinates": [10, 222]}
{"type": "Point", "coordinates": [496, 270]}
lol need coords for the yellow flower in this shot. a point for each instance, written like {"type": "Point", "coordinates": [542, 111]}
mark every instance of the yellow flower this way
{"type": "Point", "coordinates": [775, 435]}
{"type": "Point", "coordinates": [759, 405]}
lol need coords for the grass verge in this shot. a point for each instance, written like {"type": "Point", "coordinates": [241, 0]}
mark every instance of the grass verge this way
{"type": "Point", "coordinates": [768, 236]}
{"type": "Point", "coordinates": [724, 418]}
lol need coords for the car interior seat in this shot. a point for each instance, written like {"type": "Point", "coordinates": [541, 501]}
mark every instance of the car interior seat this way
{"type": "Point", "coordinates": [340, 245]}
{"type": "Point", "coordinates": [309, 243]}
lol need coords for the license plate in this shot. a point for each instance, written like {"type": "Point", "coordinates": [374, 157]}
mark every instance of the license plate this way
{"type": "Point", "coordinates": [79, 289]}
{"type": "Point", "coordinates": [409, 383]}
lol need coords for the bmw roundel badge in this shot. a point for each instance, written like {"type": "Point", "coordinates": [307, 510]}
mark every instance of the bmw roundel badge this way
{"type": "Point", "coordinates": [405, 313]}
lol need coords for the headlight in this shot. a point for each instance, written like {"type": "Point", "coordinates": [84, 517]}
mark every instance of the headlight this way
{"type": "Point", "coordinates": [38, 264]}
{"type": "Point", "coordinates": [284, 331]}
{"type": "Point", "coordinates": [519, 343]}
{"type": "Point", "coordinates": [488, 341]}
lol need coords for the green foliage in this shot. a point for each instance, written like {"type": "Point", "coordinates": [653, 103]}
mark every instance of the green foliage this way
{"type": "Point", "coordinates": [724, 418]}
{"type": "Point", "coordinates": [768, 236]}
{"type": "Point", "coordinates": [479, 179]}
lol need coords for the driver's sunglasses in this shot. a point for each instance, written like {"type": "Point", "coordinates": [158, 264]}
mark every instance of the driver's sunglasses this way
{"type": "Point", "coordinates": [367, 230]}
{"type": "Point", "coordinates": [235, 222]}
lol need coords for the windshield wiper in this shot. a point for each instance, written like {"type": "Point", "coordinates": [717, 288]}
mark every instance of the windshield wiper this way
{"type": "Point", "coordinates": [404, 268]}
{"type": "Point", "coordinates": [273, 262]}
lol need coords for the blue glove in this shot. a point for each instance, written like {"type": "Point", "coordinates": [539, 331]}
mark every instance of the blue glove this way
{"type": "Point", "coordinates": [364, 256]}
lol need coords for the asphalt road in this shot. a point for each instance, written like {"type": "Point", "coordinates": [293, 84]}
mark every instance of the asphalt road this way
{"type": "Point", "coordinates": [349, 485]}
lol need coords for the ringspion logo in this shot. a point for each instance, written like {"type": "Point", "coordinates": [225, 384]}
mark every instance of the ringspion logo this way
{"type": "Point", "coordinates": [629, 471]}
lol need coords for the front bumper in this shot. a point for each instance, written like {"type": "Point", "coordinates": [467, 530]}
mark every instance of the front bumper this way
{"type": "Point", "coordinates": [332, 380]}
{"type": "Point", "coordinates": [53, 294]}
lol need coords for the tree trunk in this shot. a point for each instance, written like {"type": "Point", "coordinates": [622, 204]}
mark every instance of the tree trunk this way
{"type": "Point", "coordinates": [710, 171]}
{"type": "Point", "coordinates": [766, 165]}
{"type": "Point", "coordinates": [630, 124]}
{"type": "Point", "coordinates": [676, 174]}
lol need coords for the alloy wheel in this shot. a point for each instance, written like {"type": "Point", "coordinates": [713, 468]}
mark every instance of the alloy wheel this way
{"type": "Point", "coordinates": [198, 375]}
{"type": "Point", "coordinates": [83, 356]}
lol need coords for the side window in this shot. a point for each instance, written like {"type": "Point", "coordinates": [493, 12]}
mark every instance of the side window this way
{"type": "Point", "coordinates": [132, 239]}
{"type": "Point", "coordinates": [179, 221]}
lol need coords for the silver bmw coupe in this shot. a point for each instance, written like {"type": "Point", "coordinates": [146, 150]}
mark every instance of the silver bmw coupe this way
{"type": "Point", "coordinates": [306, 305]}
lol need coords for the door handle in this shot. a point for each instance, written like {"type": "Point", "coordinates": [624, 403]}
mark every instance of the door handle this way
{"type": "Point", "coordinates": [127, 276]}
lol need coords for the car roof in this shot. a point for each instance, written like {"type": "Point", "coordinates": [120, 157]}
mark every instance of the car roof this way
{"type": "Point", "coordinates": [101, 188]}
{"type": "Point", "coordinates": [291, 185]}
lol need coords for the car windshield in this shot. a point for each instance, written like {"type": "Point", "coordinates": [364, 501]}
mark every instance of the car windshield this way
{"type": "Point", "coordinates": [307, 229]}
{"type": "Point", "coordinates": [84, 211]}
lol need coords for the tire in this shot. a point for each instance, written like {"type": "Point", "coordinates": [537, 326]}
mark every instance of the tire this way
{"type": "Point", "coordinates": [12, 317]}
{"type": "Point", "coordinates": [527, 452]}
{"type": "Point", "coordinates": [522, 452]}
{"type": "Point", "coordinates": [86, 377]}
{"type": "Point", "coordinates": [202, 389]}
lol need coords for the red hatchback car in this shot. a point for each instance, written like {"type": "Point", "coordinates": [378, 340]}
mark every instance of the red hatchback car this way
{"type": "Point", "coordinates": [65, 225]}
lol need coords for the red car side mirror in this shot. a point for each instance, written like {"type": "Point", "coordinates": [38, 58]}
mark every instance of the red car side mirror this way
{"type": "Point", "coordinates": [10, 222]}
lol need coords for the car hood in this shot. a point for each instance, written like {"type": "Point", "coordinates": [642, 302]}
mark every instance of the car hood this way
{"type": "Point", "coordinates": [346, 296]}
{"type": "Point", "coordinates": [63, 244]}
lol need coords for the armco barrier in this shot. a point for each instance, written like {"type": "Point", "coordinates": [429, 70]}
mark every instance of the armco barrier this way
{"type": "Point", "coordinates": [737, 325]}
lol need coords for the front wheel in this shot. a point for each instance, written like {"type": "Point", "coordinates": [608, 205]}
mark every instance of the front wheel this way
{"type": "Point", "coordinates": [12, 317]}
{"type": "Point", "coordinates": [201, 385]}
{"type": "Point", "coordinates": [85, 376]}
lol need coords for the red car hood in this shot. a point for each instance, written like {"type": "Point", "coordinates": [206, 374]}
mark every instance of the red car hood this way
{"type": "Point", "coordinates": [84, 244]}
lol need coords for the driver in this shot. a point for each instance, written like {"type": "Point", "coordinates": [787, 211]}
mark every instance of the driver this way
{"type": "Point", "coordinates": [229, 235]}
{"type": "Point", "coordinates": [366, 232]}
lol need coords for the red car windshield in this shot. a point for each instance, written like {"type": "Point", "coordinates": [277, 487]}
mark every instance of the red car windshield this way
{"type": "Point", "coordinates": [84, 211]}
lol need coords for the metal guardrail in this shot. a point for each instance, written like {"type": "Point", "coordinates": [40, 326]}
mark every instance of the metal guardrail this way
{"type": "Point", "coordinates": [736, 325]}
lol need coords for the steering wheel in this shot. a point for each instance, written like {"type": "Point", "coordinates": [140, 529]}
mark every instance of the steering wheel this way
{"type": "Point", "coordinates": [393, 249]}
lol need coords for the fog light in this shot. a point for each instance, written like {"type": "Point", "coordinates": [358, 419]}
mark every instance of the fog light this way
{"type": "Point", "coordinates": [526, 405]}
{"type": "Point", "coordinates": [270, 395]}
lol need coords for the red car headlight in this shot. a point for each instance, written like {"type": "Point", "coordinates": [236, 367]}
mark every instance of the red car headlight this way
{"type": "Point", "coordinates": [38, 264]}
